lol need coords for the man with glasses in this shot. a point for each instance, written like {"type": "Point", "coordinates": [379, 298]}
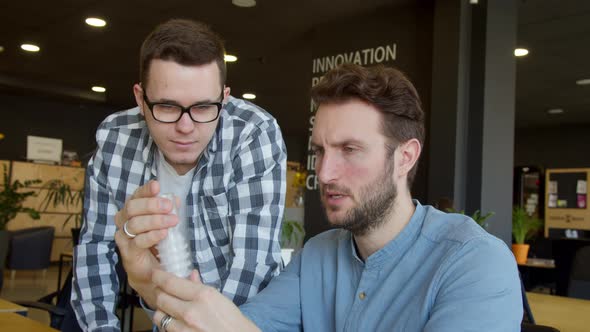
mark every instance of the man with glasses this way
{"type": "Point", "coordinates": [222, 157]}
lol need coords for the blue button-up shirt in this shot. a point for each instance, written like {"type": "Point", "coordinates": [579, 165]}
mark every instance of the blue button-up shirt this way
{"type": "Point", "coordinates": [443, 272]}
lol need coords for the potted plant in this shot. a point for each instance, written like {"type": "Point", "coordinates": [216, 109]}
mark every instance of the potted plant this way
{"type": "Point", "coordinates": [523, 228]}
{"type": "Point", "coordinates": [12, 198]}
{"type": "Point", "coordinates": [59, 194]}
{"type": "Point", "coordinates": [477, 216]}
{"type": "Point", "coordinates": [292, 234]}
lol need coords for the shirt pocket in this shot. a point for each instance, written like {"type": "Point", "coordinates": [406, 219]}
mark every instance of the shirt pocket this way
{"type": "Point", "coordinates": [216, 212]}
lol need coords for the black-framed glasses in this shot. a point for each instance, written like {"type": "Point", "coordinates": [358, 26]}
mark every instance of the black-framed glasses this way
{"type": "Point", "coordinates": [171, 113]}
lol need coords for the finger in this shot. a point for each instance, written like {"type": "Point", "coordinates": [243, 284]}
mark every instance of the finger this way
{"type": "Point", "coordinates": [150, 189]}
{"type": "Point", "coordinates": [147, 205]}
{"type": "Point", "coordinates": [175, 325]}
{"type": "Point", "coordinates": [196, 277]}
{"type": "Point", "coordinates": [145, 223]}
{"type": "Point", "coordinates": [181, 288]}
{"type": "Point", "coordinates": [149, 239]}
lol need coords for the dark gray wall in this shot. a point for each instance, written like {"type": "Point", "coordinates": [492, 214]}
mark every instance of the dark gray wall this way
{"type": "Point", "coordinates": [410, 28]}
{"type": "Point", "coordinates": [73, 122]}
{"type": "Point", "coordinates": [556, 147]}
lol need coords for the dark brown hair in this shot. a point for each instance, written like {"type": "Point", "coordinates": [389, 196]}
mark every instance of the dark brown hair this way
{"type": "Point", "coordinates": [185, 42]}
{"type": "Point", "coordinates": [386, 89]}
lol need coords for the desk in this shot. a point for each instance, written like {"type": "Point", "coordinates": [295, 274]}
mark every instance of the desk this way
{"type": "Point", "coordinates": [7, 306]}
{"type": "Point", "coordinates": [539, 263]}
{"type": "Point", "coordinates": [538, 272]}
{"type": "Point", "coordinates": [564, 313]}
{"type": "Point", "coordinates": [15, 322]}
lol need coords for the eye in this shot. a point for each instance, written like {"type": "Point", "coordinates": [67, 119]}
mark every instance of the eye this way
{"type": "Point", "coordinates": [317, 150]}
{"type": "Point", "coordinates": [204, 107]}
{"type": "Point", "coordinates": [166, 107]}
{"type": "Point", "coordinates": [348, 149]}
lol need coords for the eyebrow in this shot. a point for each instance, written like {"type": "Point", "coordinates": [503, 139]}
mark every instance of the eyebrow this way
{"type": "Point", "coordinates": [174, 102]}
{"type": "Point", "coordinates": [344, 142]}
{"type": "Point", "coordinates": [200, 102]}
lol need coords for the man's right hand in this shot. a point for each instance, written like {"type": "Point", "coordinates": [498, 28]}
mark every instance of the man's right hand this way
{"type": "Point", "coordinates": [147, 216]}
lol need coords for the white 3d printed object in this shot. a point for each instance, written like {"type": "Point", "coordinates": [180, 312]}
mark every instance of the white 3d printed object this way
{"type": "Point", "coordinates": [174, 251]}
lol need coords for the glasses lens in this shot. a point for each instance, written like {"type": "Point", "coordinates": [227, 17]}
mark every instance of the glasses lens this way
{"type": "Point", "coordinates": [204, 113]}
{"type": "Point", "coordinates": [166, 113]}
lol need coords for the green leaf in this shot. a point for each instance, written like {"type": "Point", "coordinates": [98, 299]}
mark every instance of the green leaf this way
{"type": "Point", "coordinates": [524, 226]}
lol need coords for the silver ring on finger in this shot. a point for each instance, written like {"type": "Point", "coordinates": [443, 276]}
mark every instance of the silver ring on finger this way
{"type": "Point", "coordinates": [130, 235]}
{"type": "Point", "coordinates": [166, 320]}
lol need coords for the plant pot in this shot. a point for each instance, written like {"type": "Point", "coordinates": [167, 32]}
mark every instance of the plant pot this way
{"type": "Point", "coordinates": [521, 252]}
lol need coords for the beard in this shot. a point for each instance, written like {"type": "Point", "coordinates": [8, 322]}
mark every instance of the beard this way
{"type": "Point", "coordinates": [376, 203]}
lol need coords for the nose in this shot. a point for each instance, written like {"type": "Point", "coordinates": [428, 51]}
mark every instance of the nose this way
{"type": "Point", "coordinates": [327, 168]}
{"type": "Point", "coordinates": [185, 124]}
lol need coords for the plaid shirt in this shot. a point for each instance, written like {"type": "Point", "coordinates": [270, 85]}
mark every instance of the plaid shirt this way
{"type": "Point", "coordinates": [234, 208]}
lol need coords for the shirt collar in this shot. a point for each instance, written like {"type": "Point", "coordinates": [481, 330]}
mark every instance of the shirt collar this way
{"type": "Point", "coordinates": [395, 249]}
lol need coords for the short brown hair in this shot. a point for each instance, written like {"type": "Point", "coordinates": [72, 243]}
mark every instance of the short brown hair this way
{"type": "Point", "coordinates": [386, 89]}
{"type": "Point", "coordinates": [185, 42]}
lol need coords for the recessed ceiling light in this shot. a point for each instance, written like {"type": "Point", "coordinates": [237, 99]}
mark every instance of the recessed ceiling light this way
{"type": "Point", "coordinates": [555, 111]}
{"type": "Point", "coordinates": [244, 3]}
{"type": "Point", "coordinates": [249, 96]}
{"type": "Point", "coordinates": [473, 2]}
{"type": "Point", "coordinates": [30, 47]}
{"type": "Point", "coordinates": [230, 58]}
{"type": "Point", "coordinates": [521, 51]}
{"type": "Point", "coordinates": [96, 22]}
{"type": "Point", "coordinates": [1, 49]}
{"type": "Point", "coordinates": [584, 81]}
{"type": "Point", "coordinates": [98, 89]}
{"type": "Point", "coordinates": [1, 136]}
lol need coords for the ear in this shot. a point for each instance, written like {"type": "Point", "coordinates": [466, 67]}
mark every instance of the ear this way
{"type": "Point", "coordinates": [226, 91]}
{"type": "Point", "coordinates": [408, 154]}
{"type": "Point", "coordinates": [138, 93]}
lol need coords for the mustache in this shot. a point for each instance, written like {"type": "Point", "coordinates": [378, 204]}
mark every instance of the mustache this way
{"type": "Point", "coordinates": [334, 187]}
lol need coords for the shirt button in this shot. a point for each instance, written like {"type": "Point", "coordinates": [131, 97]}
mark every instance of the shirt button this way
{"type": "Point", "coordinates": [362, 295]}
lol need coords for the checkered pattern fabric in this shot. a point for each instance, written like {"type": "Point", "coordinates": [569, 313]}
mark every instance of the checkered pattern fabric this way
{"type": "Point", "coordinates": [235, 207]}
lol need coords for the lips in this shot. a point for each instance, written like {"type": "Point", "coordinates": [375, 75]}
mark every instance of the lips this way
{"type": "Point", "coordinates": [183, 143]}
{"type": "Point", "coordinates": [333, 195]}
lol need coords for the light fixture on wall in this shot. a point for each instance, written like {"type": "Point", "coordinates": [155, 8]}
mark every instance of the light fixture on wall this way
{"type": "Point", "coordinates": [1, 49]}
{"type": "Point", "coordinates": [244, 3]}
{"type": "Point", "coordinates": [96, 22]}
{"type": "Point", "coordinates": [1, 136]}
{"type": "Point", "coordinates": [585, 81]}
{"type": "Point", "coordinates": [554, 111]}
{"type": "Point", "coordinates": [30, 47]}
{"type": "Point", "coordinates": [249, 96]}
{"type": "Point", "coordinates": [99, 89]}
{"type": "Point", "coordinates": [521, 51]}
{"type": "Point", "coordinates": [473, 2]}
{"type": "Point", "coordinates": [230, 58]}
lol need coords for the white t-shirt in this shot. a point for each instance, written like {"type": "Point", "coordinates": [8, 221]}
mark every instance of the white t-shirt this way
{"type": "Point", "coordinates": [179, 185]}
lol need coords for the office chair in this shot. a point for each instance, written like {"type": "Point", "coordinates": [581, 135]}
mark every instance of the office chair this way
{"type": "Point", "coordinates": [30, 249]}
{"type": "Point", "coordinates": [536, 328]}
{"type": "Point", "coordinates": [61, 314]}
{"type": "Point", "coordinates": [579, 280]}
{"type": "Point", "coordinates": [527, 314]}
{"type": "Point", "coordinates": [528, 320]}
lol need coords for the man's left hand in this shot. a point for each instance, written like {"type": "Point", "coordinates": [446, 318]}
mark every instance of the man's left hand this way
{"type": "Point", "coordinates": [194, 306]}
